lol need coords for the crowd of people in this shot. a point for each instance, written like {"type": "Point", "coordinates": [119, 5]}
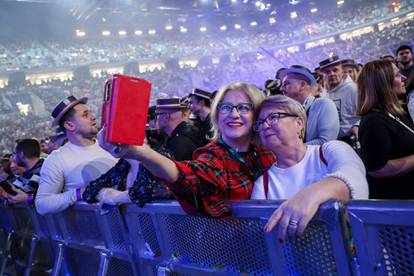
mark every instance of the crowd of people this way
{"type": "Point", "coordinates": [23, 55]}
{"type": "Point", "coordinates": [326, 127]}
{"type": "Point", "coordinates": [176, 82]}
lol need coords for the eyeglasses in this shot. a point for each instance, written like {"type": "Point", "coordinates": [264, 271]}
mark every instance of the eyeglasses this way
{"type": "Point", "coordinates": [271, 120]}
{"type": "Point", "coordinates": [243, 108]}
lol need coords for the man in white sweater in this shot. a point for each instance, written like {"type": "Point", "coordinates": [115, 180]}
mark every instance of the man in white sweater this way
{"type": "Point", "coordinates": [70, 168]}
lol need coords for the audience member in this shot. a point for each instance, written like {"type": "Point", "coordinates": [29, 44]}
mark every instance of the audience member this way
{"type": "Point", "coordinates": [405, 60]}
{"type": "Point", "coordinates": [75, 164]}
{"type": "Point", "coordinates": [323, 122]}
{"type": "Point", "coordinates": [350, 68]}
{"type": "Point", "coordinates": [200, 107]}
{"type": "Point", "coordinates": [306, 175]}
{"type": "Point", "coordinates": [343, 92]}
{"type": "Point", "coordinates": [224, 169]}
{"type": "Point", "coordinates": [27, 156]}
{"type": "Point", "coordinates": [387, 135]}
{"type": "Point", "coordinates": [182, 138]}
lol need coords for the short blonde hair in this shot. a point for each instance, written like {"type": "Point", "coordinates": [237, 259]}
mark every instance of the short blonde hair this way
{"type": "Point", "coordinates": [253, 93]}
{"type": "Point", "coordinates": [286, 104]}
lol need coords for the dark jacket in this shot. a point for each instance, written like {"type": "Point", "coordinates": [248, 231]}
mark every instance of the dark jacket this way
{"type": "Point", "coordinates": [205, 129]}
{"type": "Point", "coordinates": [183, 141]}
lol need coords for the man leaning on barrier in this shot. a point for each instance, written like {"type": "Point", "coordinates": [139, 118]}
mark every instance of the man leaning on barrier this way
{"type": "Point", "coordinates": [71, 167]}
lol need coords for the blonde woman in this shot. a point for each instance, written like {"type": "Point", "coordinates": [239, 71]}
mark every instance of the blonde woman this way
{"type": "Point", "coordinates": [224, 169]}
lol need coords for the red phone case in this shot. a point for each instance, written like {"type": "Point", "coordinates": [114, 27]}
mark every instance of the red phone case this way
{"type": "Point", "coordinates": [125, 109]}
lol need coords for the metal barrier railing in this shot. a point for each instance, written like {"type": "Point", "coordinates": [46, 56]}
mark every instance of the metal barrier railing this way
{"type": "Point", "coordinates": [168, 240]}
{"type": "Point", "coordinates": [160, 239]}
{"type": "Point", "coordinates": [384, 236]}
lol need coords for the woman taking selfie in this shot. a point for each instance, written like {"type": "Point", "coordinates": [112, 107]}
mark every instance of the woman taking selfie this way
{"type": "Point", "coordinates": [386, 133]}
{"type": "Point", "coordinates": [224, 169]}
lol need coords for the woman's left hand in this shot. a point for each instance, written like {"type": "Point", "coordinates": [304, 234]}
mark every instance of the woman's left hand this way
{"type": "Point", "coordinates": [293, 215]}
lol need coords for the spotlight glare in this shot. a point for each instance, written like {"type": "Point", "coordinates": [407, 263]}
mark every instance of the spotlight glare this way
{"type": "Point", "coordinates": [183, 29]}
{"type": "Point", "coordinates": [80, 33]}
{"type": "Point", "coordinates": [253, 23]}
{"type": "Point", "coordinates": [168, 27]}
{"type": "Point", "coordinates": [293, 15]}
{"type": "Point", "coordinates": [106, 33]}
{"type": "Point", "coordinates": [122, 33]}
{"type": "Point", "coordinates": [272, 20]}
{"type": "Point", "coordinates": [237, 26]}
{"type": "Point", "coordinates": [152, 32]}
{"type": "Point", "coordinates": [313, 10]}
{"type": "Point", "coordinates": [138, 32]}
{"type": "Point", "coordinates": [223, 28]}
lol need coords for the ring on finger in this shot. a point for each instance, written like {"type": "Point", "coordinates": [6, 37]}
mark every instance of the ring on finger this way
{"type": "Point", "coordinates": [293, 223]}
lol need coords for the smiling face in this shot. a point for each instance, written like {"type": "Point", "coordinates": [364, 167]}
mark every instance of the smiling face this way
{"type": "Point", "coordinates": [236, 126]}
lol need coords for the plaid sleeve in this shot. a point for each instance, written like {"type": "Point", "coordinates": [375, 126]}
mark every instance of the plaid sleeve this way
{"type": "Point", "coordinates": [199, 180]}
{"type": "Point", "coordinates": [213, 177]}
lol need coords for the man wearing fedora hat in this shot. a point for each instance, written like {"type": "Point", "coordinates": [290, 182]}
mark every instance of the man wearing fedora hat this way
{"type": "Point", "coordinates": [183, 138]}
{"type": "Point", "coordinates": [343, 92]}
{"type": "Point", "coordinates": [322, 123]}
{"type": "Point", "coordinates": [200, 107]}
{"type": "Point", "coordinates": [71, 167]}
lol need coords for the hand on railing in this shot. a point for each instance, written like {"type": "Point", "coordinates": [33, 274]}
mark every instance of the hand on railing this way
{"type": "Point", "coordinates": [112, 197]}
{"type": "Point", "coordinates": [293, 215]}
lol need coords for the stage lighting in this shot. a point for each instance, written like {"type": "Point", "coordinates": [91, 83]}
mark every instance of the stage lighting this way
{"type": "Point", "coordinates": [106, 33]}
{"type": "Point", "coordinates": [80, 33]}
{"type": "Point", "coordinates": [223, 28]}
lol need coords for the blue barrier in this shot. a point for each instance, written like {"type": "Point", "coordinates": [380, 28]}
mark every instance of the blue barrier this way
{"type": "Point", "coordinates": [168, 240]}
{"type": "Point", "coordinates": [160, 239]}
{"type": "Point", "coordinates": [384, 236]}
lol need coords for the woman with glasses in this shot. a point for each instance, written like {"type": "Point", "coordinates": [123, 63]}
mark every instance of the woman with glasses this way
{"type": "Point", "coordinates": [224, 169]}
{"type": "Point", "coordinates": [386, 133]}
{"type": "Point", "coordinates": [305, 175]}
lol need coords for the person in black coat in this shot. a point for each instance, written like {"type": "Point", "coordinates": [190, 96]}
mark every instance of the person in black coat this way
{"type": "Point", "coordinates": [182, 138]}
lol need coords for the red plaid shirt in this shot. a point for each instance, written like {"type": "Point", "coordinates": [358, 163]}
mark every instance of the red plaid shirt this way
{"type": "Point", "coordinates": [215, 176]}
